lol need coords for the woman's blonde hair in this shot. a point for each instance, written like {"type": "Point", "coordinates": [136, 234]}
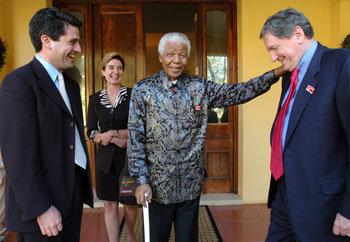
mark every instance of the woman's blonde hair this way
{"type": "Point", "coordinates": [110, 56]}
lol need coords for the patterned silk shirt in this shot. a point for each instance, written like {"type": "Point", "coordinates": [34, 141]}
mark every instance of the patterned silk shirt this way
{"type": "Point", "coordinates": [167, 128]}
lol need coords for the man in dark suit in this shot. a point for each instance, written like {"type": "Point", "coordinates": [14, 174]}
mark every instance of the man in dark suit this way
{"type": "Point", "coordinates": [310, 184]}
{"type": "Point", "coordinates": [41, 136]}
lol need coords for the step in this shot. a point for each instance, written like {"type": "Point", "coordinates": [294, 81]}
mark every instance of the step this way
{"type": "Point", "coordinates": [206, 199]}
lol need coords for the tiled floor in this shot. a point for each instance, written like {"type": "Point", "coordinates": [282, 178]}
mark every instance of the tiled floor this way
{"type": "Point", "coordinates": [240, 223]}
{"type": "Point", "coordinates": [236, 223]}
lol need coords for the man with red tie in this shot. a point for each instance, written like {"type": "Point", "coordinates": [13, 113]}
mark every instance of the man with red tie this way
{"type": "Point", "coordinates": [310, 184]}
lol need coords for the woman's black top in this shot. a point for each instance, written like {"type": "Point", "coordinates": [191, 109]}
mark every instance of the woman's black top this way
{"type": "Point", "coordinates": [103, 116]}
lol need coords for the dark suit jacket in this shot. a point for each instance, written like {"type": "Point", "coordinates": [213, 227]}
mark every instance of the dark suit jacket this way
{"type": "Point", "coordinates": [316, 154]}
{"type": "Point", "coordinates": [36, 134]}
{"type": "Point", "coordinates": [104, 119]}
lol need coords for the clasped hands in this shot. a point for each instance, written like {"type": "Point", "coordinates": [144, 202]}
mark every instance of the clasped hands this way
{"type": "Point", "coordinates": [119, 138]}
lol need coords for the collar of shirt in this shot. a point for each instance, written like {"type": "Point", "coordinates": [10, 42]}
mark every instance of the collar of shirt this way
{"type": "Point", "coordinates": [105, 101]}
{"type": "Point", "coordinates": [306, 60]}
{"type": "Point", "coordinates": [303, 65]}
{"type": "Point", "coordinates": [51, 70]}
{"type": "Point", "coordinates": [167, 83]}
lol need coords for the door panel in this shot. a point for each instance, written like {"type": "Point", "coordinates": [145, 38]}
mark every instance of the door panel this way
{"type": "Point", "coordinates": [217, 65]}
{"type": "Point", "coordinates": [118, 28]}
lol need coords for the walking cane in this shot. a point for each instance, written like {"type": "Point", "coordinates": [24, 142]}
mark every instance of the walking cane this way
{"type": "Point", "coordinates": [146, 218]}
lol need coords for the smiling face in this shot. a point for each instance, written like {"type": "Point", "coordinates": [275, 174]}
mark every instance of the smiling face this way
{"type": "Point", "coordinates": [113, 72]}
{"type": "Point", "coordinates": [288, 51]}
{"type": "Point", "coordinates": [174, 59]}
{"type": "Point", "coordinates": [284, 50]}
{"type": "Point", "coordinates": [62, 52]}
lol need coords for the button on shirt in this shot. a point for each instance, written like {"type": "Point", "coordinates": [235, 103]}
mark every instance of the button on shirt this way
{"type": "Point", "coordinates": [302, 66]}
{"type": "Point", "coordinates": [167, 130]}
{"type": "Point", "coordinates": [79, 155]}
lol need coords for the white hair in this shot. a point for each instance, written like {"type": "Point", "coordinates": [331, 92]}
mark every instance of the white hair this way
{"type": "Point", "coordinates": [174, 37]}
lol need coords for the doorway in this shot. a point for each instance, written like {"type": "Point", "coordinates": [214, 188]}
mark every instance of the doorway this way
{"type": "Point", "coordinates": [133, 28]}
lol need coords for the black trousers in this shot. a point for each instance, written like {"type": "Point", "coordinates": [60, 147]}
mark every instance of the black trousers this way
{"type": "Point", "coordinates": [183, 214]}
{"type": "Point", "coordinates": [71, 225]}
{"type": "Point", "coordinates": [280, 230]}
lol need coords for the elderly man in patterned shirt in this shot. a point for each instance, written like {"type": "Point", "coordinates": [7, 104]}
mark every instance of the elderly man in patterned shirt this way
{"type": "Point", "coordinates": [167, 126]}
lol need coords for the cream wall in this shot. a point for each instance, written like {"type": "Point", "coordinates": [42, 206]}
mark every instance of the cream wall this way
{"type": "Point", "coordinates": [14, 20]}
{"type": "Point", "coordinates": [339, 22]}
{"type": "Point", "coordinates": [335, 21]}
{"type": "Point", "coordinates": [3, 32]}
{"type": "Point", "coordinates": [344, 20]}
{"type": "Point", "coordinates": [255, 117]}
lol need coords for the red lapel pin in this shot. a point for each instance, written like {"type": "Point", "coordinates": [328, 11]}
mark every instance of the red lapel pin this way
{"type": "Point", "coordinates": [310, 89]}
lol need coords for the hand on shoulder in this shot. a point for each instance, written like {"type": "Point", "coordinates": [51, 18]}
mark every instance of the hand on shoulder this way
{"type": "Point", "coordinates": [279, 71]}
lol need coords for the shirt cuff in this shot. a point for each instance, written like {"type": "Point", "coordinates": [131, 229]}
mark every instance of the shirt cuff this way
{"type": "Point", "coordinates": [93, 133]}
{"type": "Point", "coordinates": [142, 180]}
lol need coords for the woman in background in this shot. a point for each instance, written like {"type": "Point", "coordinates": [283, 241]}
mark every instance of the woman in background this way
{"type": "Point", "coordinates": [107, 126]}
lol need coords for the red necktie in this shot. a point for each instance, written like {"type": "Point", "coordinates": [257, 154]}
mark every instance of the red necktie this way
{"type": "Point", "coordinates": [276, 165]}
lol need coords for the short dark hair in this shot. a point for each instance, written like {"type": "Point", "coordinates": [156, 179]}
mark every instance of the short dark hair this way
{"type": "Point", "coordinates": [282, 24]}
{"type": "Point", "coordinates": [51, 22]}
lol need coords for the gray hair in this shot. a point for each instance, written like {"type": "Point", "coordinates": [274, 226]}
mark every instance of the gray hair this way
{"type": "Point", "coordinates": [282, 24]}
{"type": "Point", "coordinates": [174, 37]}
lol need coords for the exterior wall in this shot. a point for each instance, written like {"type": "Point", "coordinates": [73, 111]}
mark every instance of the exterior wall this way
{"type": "Point", "coordinates": [339, 21]}
{"type": "Point", "coordinates": [3, 33]}
{"type": "Point", "coordinates": [14, 20]}
{"type": "Point", "coordinates": [344, 21]}
{"type": "Point", "coordinates": [335, 10]}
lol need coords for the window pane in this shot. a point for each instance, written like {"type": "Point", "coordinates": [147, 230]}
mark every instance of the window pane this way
{"type": "Point", "coordinates": [161, 18]}
{"type": "Point", "coordinates": [217, 68]}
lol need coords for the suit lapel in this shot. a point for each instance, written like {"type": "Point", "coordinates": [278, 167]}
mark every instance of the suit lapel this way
{"type": "Point", "coordinates": [303, 97]}
{"type": "Point", "coordinates": [47, 85]}
{"type": "Point", "coordinates": [71, 95]}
